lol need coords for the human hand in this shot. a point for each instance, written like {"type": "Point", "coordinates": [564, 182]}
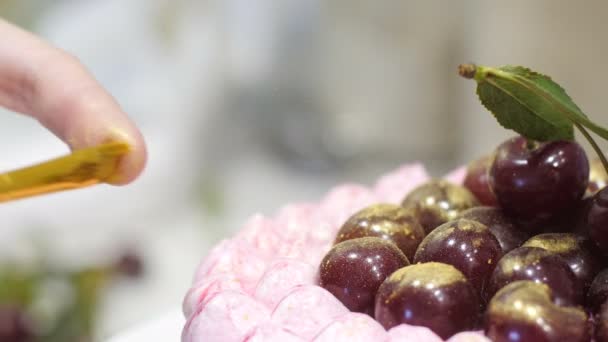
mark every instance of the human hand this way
{"type": "Point", "coordinates": [53, 87]}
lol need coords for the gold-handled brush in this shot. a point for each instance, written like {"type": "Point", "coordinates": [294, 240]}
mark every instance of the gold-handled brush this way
{"type": "Point", "coordinates": [81, 168]}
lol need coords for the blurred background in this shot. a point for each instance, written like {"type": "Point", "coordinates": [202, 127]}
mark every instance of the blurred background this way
{"type": "Point", "coordinates": [246, 105]}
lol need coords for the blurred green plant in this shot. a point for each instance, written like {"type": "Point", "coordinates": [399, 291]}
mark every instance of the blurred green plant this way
{"type": "Point", "coordinates": [24, 13]}
{"type": "Point", "coordinates": [211, 195]}
{"type": "Point", "coordinates": [32, 311]}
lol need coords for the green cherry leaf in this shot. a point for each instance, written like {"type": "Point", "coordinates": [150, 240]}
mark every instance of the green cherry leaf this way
{"type": "Point", "coordinates": [523, 101]}
{"type": "Point", "coordinates": [531, 104]}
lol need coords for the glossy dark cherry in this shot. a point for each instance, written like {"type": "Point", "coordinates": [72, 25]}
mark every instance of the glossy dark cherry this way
{"type": "Point", "coordinates": [504, 229]}
{"type": "Point", "coordinates": [388, 221]}
{"type": "Point", "coordinates": [601, 324]}
{"type": "Point", "coordinates": [477, 180]}
{"type": "Point", "coordinates": [534, 183]}
{"type": "Point", "coordinates": [574, 249]}
{"type": "Point", "coordinates": [434, 295]}
{"type": "Point", "coordinates": [573, 220]}
{"type": "Point", "coordinates": [539, 265]}
{"type": "Point", "coordinates": [578, 222]}
{"type": "Point", "coordinates": [598, 179]}
{"type": "Point", "coordinates": [524, 311]}
{"type": "Point", "coordinates": [598, 292]}
{"type": "Point", "coordinates": [597, 220]}
{"type": "Point", "coordinates": [437, 202]}
{"type": "Point", "coordinates": [353, 270]}
{"type": "Point", "coordinates": [467, 245]}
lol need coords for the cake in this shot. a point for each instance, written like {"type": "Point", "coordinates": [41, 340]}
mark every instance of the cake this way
{"type": "Point", "coordinates": [506, 248]}
{"type": "Point", "coordinates": [262, 284]}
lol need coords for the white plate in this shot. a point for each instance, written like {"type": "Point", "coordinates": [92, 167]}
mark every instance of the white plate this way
{"type": "Point", "coordinates": [165, 328]}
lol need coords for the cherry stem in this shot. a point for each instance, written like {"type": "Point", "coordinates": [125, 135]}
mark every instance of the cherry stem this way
{"type": "Point", "coordinates": [467, 70]}
{"type": "Point", "coordinates": [594, 145]}
{"type": "Point", "coordinates": [531, 144]}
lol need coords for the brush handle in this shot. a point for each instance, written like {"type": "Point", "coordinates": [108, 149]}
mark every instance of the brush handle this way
{"type": "Point", "coordinates": [81, 168]}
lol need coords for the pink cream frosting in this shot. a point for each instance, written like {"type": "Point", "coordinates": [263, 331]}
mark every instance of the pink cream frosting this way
{"type": "Point", "coordinates": [260, 285]}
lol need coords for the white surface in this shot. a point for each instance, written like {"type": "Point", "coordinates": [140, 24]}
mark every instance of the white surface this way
{"type": "Point", "coordinates": [165, 328]}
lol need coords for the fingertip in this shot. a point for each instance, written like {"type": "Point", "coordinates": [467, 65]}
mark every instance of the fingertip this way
{"type": "Point", "coordinates": [132, 165]}
{"type": "Point", "coordinates": [113, 126]}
